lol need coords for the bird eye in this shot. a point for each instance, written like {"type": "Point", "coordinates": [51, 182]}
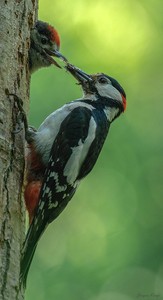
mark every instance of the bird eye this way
{"type": "Point", "coordinates": [44, 41]}
{"type": "Point", "coordinates": [102, 80]}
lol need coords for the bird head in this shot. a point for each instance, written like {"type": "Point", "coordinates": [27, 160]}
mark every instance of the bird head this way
{"type": "Point", "coordinates": [100, 87]}
{"type": "Point", "coordinates": [45, 43]}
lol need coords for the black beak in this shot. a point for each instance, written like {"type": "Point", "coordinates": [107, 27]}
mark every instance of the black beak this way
{"type": "Point", "coordinates": [50, 53]}
{"type": "Point", "coordinates": [56, 54]}
{"type": "Point", "coordinates": [82, 77]}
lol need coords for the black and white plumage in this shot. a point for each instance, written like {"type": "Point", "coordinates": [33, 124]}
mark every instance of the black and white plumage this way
{"type": "Point", "coordinates": [69, 142]}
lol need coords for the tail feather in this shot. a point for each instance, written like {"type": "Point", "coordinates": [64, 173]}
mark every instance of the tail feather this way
{"type": "Point", "coordinates": [29, 249]}
{"type": "Point", "coordinates": [35, 231]}
{"type": "Point", "coordinates": [25, 266]}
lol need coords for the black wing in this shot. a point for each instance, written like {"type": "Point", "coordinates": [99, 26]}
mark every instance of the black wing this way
{"type": "Point", "coordinates": [97, 144]}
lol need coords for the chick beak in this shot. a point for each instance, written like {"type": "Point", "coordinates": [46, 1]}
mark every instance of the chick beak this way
{"type": "Point", "coordinates": [82, 77]}
{"type": "Point", "coordinates": [59, 55]}
{"type": "Point", "coordinates": [55, 53]}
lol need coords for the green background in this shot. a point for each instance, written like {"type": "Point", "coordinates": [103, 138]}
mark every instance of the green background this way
{"type": "Point", "coordinates": [108, 243]}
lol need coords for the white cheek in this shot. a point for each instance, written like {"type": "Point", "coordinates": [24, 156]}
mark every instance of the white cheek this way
{"type": "Point", "coordinates": [107, 90]}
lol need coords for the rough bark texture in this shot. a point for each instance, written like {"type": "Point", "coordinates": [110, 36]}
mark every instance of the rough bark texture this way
{"type": "Point", "coordinates": [16, 19]}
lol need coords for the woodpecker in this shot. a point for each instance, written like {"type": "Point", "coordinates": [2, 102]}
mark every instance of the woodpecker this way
{"type": "Point", "coordinates": [45, 43]}
{"type": "Point", "coordinates": [64, 150]}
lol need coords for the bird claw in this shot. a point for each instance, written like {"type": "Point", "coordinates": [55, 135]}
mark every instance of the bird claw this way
{"type": "Point", "coordinates": [30, 134]}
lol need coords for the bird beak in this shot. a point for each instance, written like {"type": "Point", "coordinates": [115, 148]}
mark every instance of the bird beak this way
{"type": "Point", "coordinates": [82, 77]}
{"type": "Point", "coordinates": [59, 55]}
{"type": "Point", "coordinates": [55, 53]}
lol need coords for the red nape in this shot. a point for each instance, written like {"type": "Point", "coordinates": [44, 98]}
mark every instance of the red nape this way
{"type": "Point", "coordinates": [31, 195]}
{"type": "Point", "coordinates": [124, 102]}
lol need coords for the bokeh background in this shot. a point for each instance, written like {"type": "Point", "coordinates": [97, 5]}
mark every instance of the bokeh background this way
{"type": "Point", "coordinates": [108, 243]}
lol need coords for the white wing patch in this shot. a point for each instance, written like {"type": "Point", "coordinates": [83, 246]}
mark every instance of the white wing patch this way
{"type": "Point", "coordinates": [79, 154]}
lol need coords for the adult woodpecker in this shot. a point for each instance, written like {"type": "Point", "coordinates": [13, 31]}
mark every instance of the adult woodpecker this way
{"type": "Point", "coordinates": [45, 43]}
{"type": "Point", "coordinates": [64, 150]}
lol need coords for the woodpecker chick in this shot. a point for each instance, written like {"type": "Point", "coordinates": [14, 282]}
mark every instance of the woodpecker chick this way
{"type": "Point", "coordinates": [64, 150]}
{"type": "Point", "coordinates": [45, 43]}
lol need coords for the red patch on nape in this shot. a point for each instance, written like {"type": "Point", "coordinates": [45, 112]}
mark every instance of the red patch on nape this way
{"type": "Point", "coordinates": [54, 35]}
{"type": "Point", "coordinates": [124, 102]}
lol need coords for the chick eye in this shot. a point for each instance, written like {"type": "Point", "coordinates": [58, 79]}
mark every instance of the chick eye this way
{"type": "Point", "coordinates": [44, 41]}
{"type": "Point", "coordinates": [102, 80]}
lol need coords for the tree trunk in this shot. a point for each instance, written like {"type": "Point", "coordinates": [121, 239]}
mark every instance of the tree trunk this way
{"type": "Point", "coordinates": [16, 19]}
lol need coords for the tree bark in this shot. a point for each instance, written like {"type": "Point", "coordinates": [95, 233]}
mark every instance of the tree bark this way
{"type": "Point", "coordinates": [16, 19]}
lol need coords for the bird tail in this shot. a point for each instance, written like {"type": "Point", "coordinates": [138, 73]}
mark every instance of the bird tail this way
{"type": "Point", "coordinates": [25, 266]}
{"type": "Point", "coordinates": [28, 250]}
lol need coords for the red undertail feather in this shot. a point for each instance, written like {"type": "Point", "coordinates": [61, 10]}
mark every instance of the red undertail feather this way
{"type": "Point", "coordinates": [31, 195]}
{"type": "Point", "coordinates": [34, 177]}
